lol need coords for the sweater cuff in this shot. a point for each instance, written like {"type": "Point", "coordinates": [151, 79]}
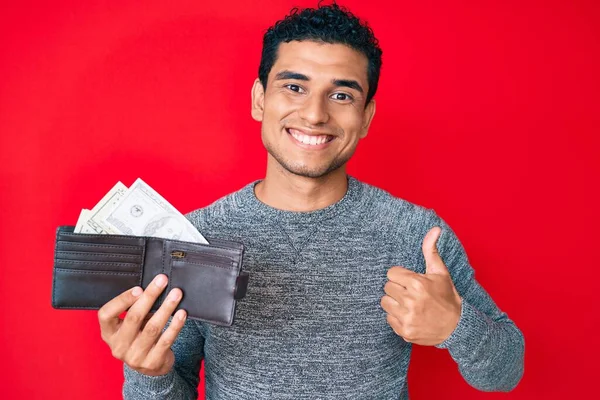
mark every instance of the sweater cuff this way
{"type": "Point", "coordinates": [153, 384]}
{"type": "Point", "coordinates": [469, 332]}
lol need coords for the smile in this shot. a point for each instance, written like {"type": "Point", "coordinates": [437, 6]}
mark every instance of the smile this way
{"type": "Point", "coordinates": [309, 140]}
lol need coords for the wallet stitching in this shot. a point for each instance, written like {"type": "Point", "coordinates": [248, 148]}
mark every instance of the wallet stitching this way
{"type": "Point", "coordinates": [142, 266]}
{"type": "Point", "coordinates": [114, 246]}
{"type": "Point", "coordinates": [163, 256]}
{"type": "Point", "coordinates": [116, 264]}
{"type": "Point", "coordinates": [73, 234]}
{"type": "Point", "coordinates": [231, 259]}
{"type": "Point", "coordinates": [196, 253]}
{"type": "Point", "coordinates": [88, 253]}
{"type": "Point", "coordinates": [54, 275]}
{"type": "Point", "coordinates": [81, 271]}
{"type": "Point", "coordinates": [231, 268]}
{"type": "Point", "coordinates": [162, 295]}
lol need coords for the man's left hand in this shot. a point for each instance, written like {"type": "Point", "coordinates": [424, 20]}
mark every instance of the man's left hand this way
{"type": "Point", "coordinates": [422, 308]}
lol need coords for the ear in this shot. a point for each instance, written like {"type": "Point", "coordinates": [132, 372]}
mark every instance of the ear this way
{"type": "Point", "coordinates": [258, 100]}
{"type": "Point", "coordinates": [368, 117]}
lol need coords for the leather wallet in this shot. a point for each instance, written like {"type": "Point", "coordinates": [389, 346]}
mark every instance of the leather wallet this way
{"type": "Point", "coordinates": [91, 269]}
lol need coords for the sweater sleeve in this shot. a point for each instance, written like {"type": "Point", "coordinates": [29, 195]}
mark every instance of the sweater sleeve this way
{"type": "Point", "coordinates": [179, 383]}
{"type": "Point", "coordinates": [487, 346]}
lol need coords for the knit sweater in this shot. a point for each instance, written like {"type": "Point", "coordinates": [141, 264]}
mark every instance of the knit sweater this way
{"type": "Point", "coordinates": [311, 325]}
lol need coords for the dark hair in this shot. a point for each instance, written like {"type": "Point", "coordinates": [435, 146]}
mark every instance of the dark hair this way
{"type": "Point", "coordinates": [328, 24]}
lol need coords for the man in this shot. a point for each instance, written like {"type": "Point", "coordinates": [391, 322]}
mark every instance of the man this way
{"type": "Point", "coordinates": [345, 278]}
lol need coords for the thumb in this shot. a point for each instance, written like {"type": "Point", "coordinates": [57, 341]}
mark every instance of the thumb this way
{"type": "Point", "coordinates": [433, 262]}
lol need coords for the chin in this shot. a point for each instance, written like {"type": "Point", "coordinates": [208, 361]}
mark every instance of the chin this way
{"type": "Point", "coordinates": [310, 171]}
{"type": "Point", "coordinates": [300, 168]}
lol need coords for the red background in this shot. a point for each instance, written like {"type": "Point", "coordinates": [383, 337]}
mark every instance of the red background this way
{"type": "Point", "coordinates": [487, 111]}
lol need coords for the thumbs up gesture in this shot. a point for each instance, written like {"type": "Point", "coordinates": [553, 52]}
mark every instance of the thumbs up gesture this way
{"type": "Point", "coordinates": [422, 308]}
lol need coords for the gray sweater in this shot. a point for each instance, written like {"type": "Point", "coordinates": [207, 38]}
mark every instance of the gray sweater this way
{"type": "Point", "coordinates": [311, 325]}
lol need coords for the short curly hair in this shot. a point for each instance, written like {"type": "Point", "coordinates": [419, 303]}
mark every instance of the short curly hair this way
{"type": "Point", "coordinates": [328, 24]}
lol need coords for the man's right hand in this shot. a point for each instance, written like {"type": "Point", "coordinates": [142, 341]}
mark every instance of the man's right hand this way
{"type": "Point", "coordinates": [138, 340]}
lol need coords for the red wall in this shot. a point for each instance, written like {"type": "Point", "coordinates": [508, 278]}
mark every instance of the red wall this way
{"type": "Point", "coordinates": [488, 112]}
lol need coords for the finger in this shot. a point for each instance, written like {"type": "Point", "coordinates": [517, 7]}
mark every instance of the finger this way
{"type": "Point", "coordinates": [398, 327]}
{"type": "Point", "coordinates": [394, 290]}
{"type": "Point", "coordinates": [395, 324]}
{"type": "Point", "coordinates": [166, 340]}
{"type": "Point", "coordinates": [433, 262]}
{"type": "Point", "coordinates": [393, 307]}
{"type": "Point", "coordinates": [400, 275]}
{"type": "Point", "coordinates": [135, 316]}
{"type": "Point", "coordinates": [145, 321]}
{"type": "Point", "coordinates": [108, 315]}
{"type": "Point", "coordinates": [155, 325]}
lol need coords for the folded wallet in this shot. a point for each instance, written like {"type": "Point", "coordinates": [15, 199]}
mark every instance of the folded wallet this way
{"type": "Point", "coordinates": [91, 269]}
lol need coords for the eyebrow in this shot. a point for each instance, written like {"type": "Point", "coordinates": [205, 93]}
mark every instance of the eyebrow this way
{"type": "Point", "coordinates": [349, 83]}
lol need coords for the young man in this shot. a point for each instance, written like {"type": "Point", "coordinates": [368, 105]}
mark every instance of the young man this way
{"type": "Point", "coordinates": [344, 276]}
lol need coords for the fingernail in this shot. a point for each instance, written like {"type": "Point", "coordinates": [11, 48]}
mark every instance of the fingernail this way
{"type": "Point", "coordinates": [160, 281]}
{"type": "Point", "coordinates": [181, 315]}
{"type": "Point", "coordinates": [174, 295]}
{"type": "Point", "coordinates": [137, 291]}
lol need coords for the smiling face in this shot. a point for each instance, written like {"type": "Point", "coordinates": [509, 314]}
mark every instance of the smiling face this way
{"type": "Point", "coordinates": [313, 110]}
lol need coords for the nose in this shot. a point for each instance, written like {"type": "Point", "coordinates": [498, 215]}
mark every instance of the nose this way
{"type": "Point", "coordinates": [314, 110]}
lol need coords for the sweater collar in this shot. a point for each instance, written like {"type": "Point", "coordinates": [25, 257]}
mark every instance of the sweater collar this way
{"type": "Point", "coordinates": [246, 197]}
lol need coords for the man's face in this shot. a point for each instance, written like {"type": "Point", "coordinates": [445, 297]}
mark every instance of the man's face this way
{"type": "Point", "coordinates": [313, 110]}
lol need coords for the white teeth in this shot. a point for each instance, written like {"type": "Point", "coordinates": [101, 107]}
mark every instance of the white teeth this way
{"type": "Point", "coordinates": [306, 139]}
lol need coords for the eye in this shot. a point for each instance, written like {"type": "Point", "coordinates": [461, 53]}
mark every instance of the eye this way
{"type": "Point", "coordinates": [294, 88]}
{"type": "Point", "coordinates": [342, 97]}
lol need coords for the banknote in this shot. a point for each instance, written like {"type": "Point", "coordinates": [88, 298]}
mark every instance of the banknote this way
{"type": "Point", "coordinates": [141, 211]}
{"type": "Point", "coordinates": [82, 222]}
{"type": "Point", "coordinates": [95, 221]}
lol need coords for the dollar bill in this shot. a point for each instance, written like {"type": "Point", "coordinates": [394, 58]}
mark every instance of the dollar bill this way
{"type": "Point", "coordinates": [82, 221]}
{"type": "Point", "coordinates": [95, 221]}
{"type": "Point", "coordinates": [141, 211]}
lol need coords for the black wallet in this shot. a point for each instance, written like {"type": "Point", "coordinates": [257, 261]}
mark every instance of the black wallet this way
{"type": "Point", "coordinates": [91, 269]}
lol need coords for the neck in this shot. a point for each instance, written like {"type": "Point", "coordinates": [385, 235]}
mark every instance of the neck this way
{"type": "Point", "coordinates": [286, 191]}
